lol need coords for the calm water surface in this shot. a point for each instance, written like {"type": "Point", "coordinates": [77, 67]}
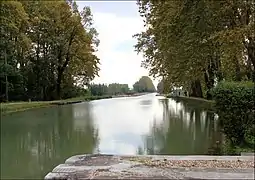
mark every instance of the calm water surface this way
{"type": "Point", "coordinates": [35, 141]}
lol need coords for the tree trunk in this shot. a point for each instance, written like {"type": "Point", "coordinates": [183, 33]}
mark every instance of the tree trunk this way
{"type": "Point", "coordinates": [251, 51]}
{"type": "Point", "coordinates": [249, 69]}
{"type": "Point", "coordinates": [238, 76]}
{"type": "Point", "coordinates": [219, 74]}
{"type": "Point", "coordinates": [59, 77]}
{"type": "Point", "coordinates": [59, 80]}
{"type": "Point", "coordinates": [209, 78]}
{"type": "Point", "coordinates": [196, 89]}
{"type": "Point", "coordinates": [209, 86]}
{"type": "Point", "coordinates": [61, 68]}
{"type": "Point", "coordinates": [6, 77]}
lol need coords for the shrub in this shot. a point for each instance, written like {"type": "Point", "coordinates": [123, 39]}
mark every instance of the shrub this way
{"type": "Point", "coordinates": [234, 103]}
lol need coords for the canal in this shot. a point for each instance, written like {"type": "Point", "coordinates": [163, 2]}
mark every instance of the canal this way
{"type": "Point", "coordinates": [33, 142]}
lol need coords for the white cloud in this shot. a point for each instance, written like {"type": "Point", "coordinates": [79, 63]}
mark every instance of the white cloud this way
{"type": "Point", "coordinates": [123, 66]}
{"type": "Point", "coordinates": [115, 33]}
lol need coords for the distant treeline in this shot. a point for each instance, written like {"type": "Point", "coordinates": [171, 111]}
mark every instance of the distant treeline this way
{"type": "Point", "coordinates": [143, 85]}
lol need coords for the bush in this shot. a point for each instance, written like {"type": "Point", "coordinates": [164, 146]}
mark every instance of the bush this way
{"type": "Point", "coordinates": [234, 103]}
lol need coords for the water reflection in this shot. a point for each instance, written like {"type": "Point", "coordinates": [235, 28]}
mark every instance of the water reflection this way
{"type": "Point", "coordinates": [146, 102]}
{"type": "Point", "coordinates": [121, 123]}
{"type": "Point", "coordinates": [33, 142]}
{"type": "Point", "coordinates": [183, 130]}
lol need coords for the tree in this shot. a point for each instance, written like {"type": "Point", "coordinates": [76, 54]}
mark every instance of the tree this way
{"type": "Point", "coordinates": [98, 89]}
{"type": "Point", "coordinates": [111, 89]}
{"type": "Point", "coordinates": [48, 46]}
{"type": "Point", "coordinates": [14, 46]}
{"type": "Point", "coordinates": [160, 87]}
{"type": "Point", "coordinates": [116, 88]}
{"type": "Point", "coordinates": [144, 84]}
{"type": "Point", "coordinates": [195, 44]}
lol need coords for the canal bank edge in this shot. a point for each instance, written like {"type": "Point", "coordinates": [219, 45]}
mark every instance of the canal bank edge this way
{"type": "Point", "coordinates": [199, 102]}
{"type": "Point", "coordinates": [7, 108]}
{"type": "Point", "coordinates": [103, 166]}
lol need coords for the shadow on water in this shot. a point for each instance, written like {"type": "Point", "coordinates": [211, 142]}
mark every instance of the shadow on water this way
{"type": "Point", "coordinates": [34, 142]}
{"type": "Point", "coordinates": [184, 130]}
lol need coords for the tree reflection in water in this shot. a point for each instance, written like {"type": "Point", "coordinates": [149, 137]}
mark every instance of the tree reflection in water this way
{"type": "Point", "coordinates": [184, 130]}
{"type": "Point", "coordinates": [38, 140]}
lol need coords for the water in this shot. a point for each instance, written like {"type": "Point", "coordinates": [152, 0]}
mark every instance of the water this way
{"type": "Point", "coordinates": [35, 141]}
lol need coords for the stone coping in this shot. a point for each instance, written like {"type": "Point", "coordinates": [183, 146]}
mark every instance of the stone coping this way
{"type": "Point", "coordinates": [103, 166]}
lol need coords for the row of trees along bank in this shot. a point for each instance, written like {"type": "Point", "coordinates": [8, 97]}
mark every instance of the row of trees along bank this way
{"type": "Point", "coordinates": [111, 89]}
{"type": "Point", "coordinates": [199, 44]}
{"type": "Point", "coordinates": [45, 47]}
{"type": "Point", "coordinates": [144, 84]}
{"type": "Point", "coordinates": [195, 44]}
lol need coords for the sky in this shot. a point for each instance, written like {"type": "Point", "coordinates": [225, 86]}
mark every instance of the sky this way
{"type": "Point", "coordinates": [116, 23]}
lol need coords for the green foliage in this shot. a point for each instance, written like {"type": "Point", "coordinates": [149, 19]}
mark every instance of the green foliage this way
{"type": "Point", "coordinates": [160, 87]}
{"type": "Point", "coordinates": [98, 89]}
{"type": "Point", "coordinates": [228, 148]}
{"type": "Point", "coordinates": [144, 84]}
{"type": "Point", "coordinates": [197, 42]}
{"type": "Point", "coordinates": [234, 103]}
{"type": "Point", "coordinates": [46, 48]}
{"type": "Point", "coordinates": [74, 91]}
{"type": "Point", "coordinates": [111, 89]}
{"type": "Point", "coordinates": [117, 89]}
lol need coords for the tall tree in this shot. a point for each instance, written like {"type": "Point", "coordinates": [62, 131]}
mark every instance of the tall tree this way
{"type": "Point", "coordinates": [14, 46]}
{"type": "Point", "coordinates": [160, 87]}
{"type": "Point", "coordinates": [194, 44]}
{"type": "Point", "coordinates": [48, 45]}
{"type": "Point", "coordinates": [144, 84]}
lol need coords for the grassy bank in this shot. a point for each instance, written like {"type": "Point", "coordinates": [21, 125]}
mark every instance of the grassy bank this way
{"type": "Point", "coordinates": [129, 95]}
{"type": "Point", "coordinates": [11, 107]}
{"type": "Point", "coordinates": [195, 102]}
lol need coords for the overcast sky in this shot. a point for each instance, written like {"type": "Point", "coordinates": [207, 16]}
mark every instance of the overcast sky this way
{"type": "Point", "coordinates": [116, 22]}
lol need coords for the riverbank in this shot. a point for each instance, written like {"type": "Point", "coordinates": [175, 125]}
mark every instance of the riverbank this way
{"type": "Point", "coordinates": [198, 102]}
{"type": "Point", "coordinates": [11, 107]}
{"type": "Point", "coordinates": [154, 167]}
{"type": "Point", "coordinates": [6, 108]}
{"type": "Point", "coordinates": [129, 95]}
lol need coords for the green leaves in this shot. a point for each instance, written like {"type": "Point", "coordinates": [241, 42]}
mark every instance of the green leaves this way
{"type": "Point", "coordinates": [184, 40]}
{"type": "Point", "coordinates": [144, 84]}
{"type": "Point", "coordinates": [48, 43]}
{"type": "Point", "coordinates": [111, 89]}
{"type": "Point", "coordinates": [235, 107]}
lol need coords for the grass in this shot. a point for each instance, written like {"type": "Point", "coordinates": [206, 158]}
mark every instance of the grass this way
{"type": "Point", "coordinates": [11, 107]}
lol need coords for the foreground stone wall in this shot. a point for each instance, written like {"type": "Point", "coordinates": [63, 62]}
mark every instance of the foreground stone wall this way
{"type": "Point", "coordinates": [99, 166]}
